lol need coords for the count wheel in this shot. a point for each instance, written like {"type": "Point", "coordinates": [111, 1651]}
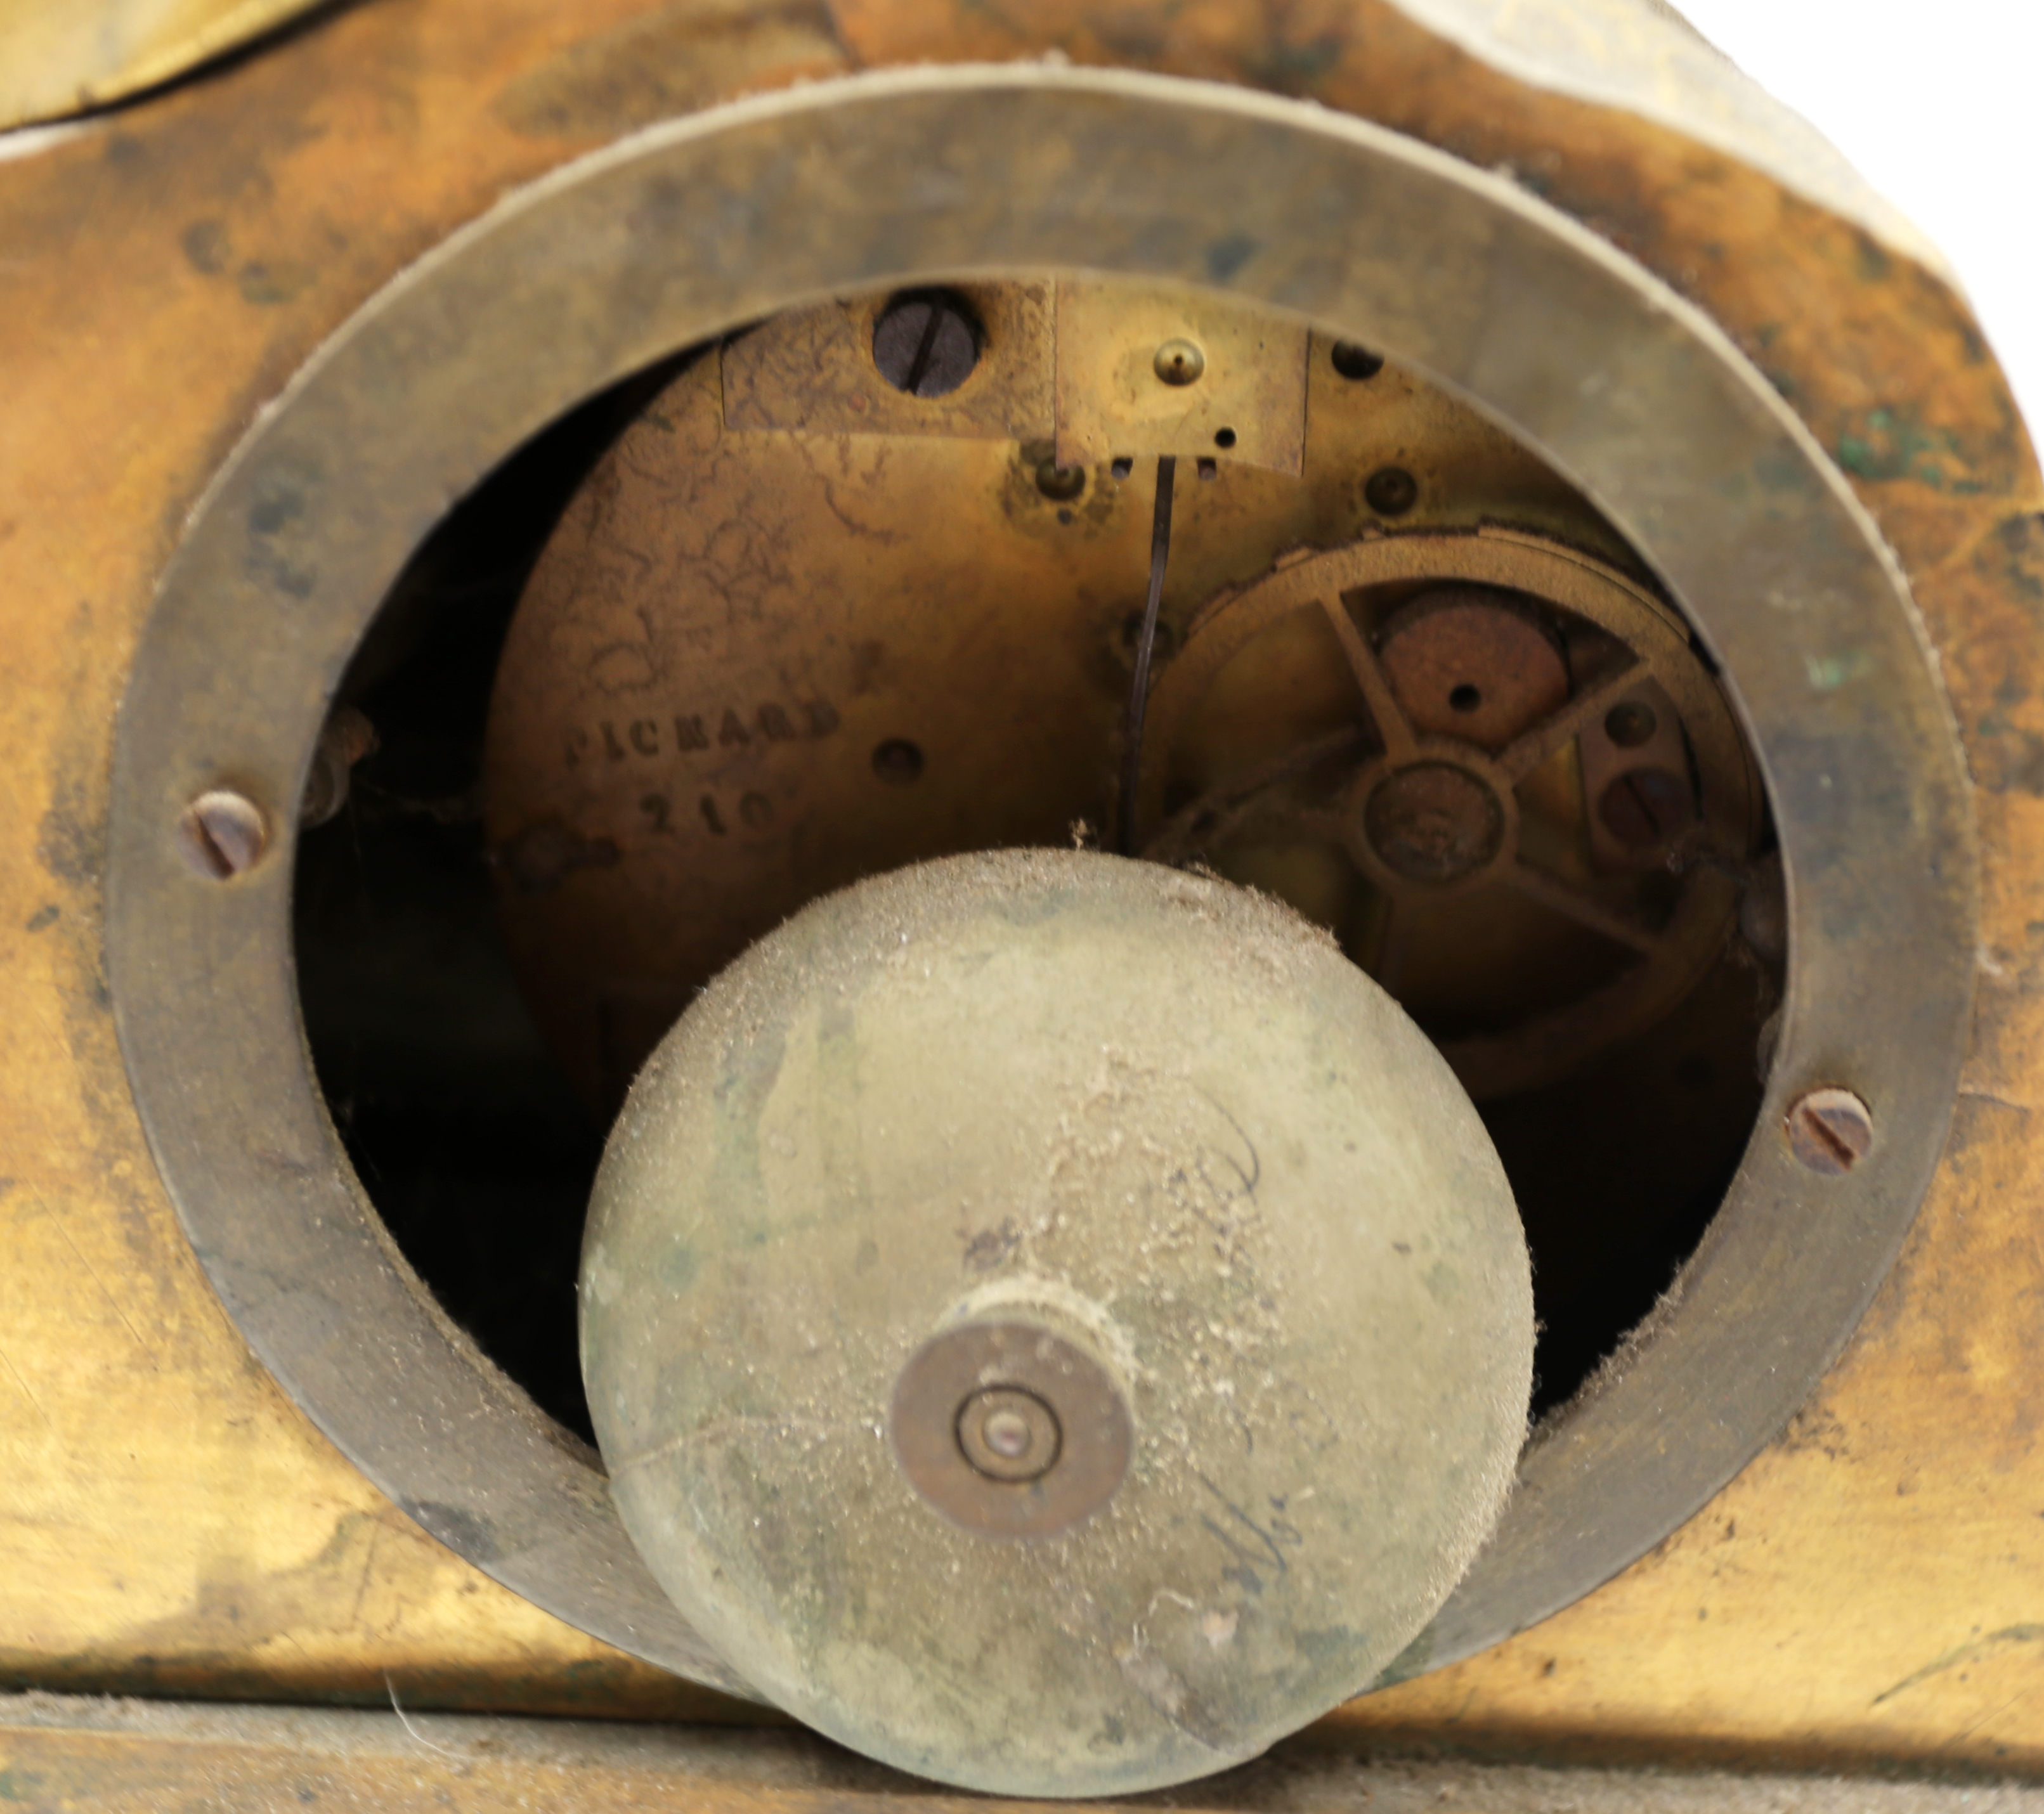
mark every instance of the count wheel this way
{"type": "Point", "coordinates": [1502, 773]}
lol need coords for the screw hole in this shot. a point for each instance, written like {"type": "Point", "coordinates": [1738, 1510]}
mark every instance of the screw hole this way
{"type": "Point", "coordinates": [898, 761]}
{"type": "Point", "coordinates": [1391, 491]}
{"type": "Point", "coordinates": [1629, 723]}
{"type": "Point", "coordinates": [1465, 697]}
{"type": "Point", "coordinates": [1224, 438]}
{"type": "Point", "coordinates": [1061, 483]}
{"type": "Point", "coordinates": [1131, 634]}
{"type": "Point", "coordinates": [1356, 363]}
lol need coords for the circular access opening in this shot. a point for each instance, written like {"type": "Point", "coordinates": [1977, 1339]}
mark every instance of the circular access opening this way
{"type": "Point", "coordinates": [595, 780]}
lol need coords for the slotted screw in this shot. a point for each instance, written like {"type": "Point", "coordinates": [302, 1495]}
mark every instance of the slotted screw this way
{"type": "Point", "coordinates": [1831, 1130]}
{"type": "Point", "coordinates": [926, 344]}
{"type": "Point", "coordinates": [221, 834]}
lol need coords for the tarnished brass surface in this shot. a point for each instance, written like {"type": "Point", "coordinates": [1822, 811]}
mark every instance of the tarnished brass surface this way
{"type": "Point", "coordinates": [950, 602]}
{"type": "Point", "coordinates": [1144, 372]}
{"type": "Point", "coordinates": [1869, 1584]}
{"type": "Point", "coordinates": [812, 371]}
{"type": "Point", "coordinates": [294, 552]}
{"type": "Point", "coordinates": [218, 1543]}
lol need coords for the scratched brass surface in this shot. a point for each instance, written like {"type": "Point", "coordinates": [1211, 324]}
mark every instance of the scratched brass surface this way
{"type": "Point", "coordinates": [1874, 1584]}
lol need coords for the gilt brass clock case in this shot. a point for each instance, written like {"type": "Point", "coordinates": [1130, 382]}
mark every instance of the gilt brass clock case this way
{"type": "Point", "coordinates": [692, 228]}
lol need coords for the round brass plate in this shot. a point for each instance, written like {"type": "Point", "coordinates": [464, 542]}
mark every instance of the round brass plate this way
{"type": "Point", "coordinates": [681, 234]}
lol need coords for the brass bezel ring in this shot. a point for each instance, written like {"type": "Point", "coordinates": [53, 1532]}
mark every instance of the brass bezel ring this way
{"type": "Point", "coordinates": [675, 235]}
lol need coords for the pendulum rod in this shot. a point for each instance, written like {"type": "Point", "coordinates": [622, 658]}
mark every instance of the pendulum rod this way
{"type": "Point", "coordinates": [1146, 643]}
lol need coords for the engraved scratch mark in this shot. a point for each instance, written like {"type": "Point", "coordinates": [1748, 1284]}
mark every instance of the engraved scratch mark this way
{"type": "Point", "coordinates": [1998, 1102]}
{"type": "Point", "coordinates": [1988, 1717]}
{"type": "Point", "coordinates": [26, 1393]}
{"type": "Point", "coordinates": [1253, 1176]}
{"type": "Point", "coordinates": [368, 1565]}
{"type": "Point", "coordinates": [1266, 1554]}
{"type": "Point", "coordinates": [112, 1303]}
{"type": "Point", "coordinates": [1976, 1650]}
{"type": "Point", "coordinates": [1224, 1219]}
{"type": "Point", "coordinates": [1175, 1597]}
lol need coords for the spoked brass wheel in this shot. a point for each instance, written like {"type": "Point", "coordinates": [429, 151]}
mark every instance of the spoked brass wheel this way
{"type": "Point", "coordinates": [1497, 767]}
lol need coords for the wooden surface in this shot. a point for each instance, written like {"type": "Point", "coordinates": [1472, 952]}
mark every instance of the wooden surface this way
{"type": "Point", "coordinates": [60, 1754]}
{"type": "Point", "coordinates": [1873, 1586]}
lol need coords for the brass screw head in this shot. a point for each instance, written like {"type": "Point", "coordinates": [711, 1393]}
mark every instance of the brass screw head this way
{"type": "Point", "coordinates": [1830, 1130]}
{"type": "Point", "coordinates": [1391, 491]}
{"type": "Point", "coordinates": [1180, 362]}
{"type": "Point", "coordinates": [1645, 806]}
{"type": "Point", "coordinates": [926, 343]}
{"type": "Point", "coordinates": [1009, 1434]}
{"type": "Point", "coordinates": [221, 834]}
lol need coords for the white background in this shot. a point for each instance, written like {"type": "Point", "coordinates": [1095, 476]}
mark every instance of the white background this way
{"type": "Point", "coordinates": [1940, 103]}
